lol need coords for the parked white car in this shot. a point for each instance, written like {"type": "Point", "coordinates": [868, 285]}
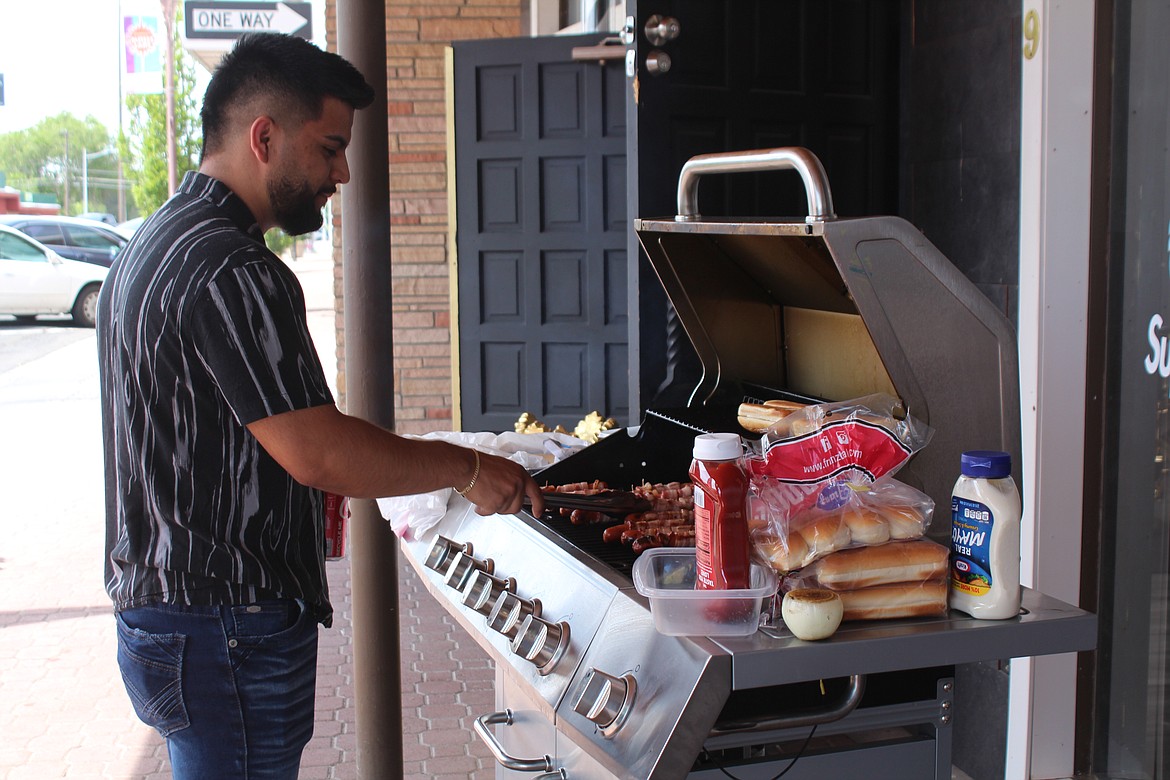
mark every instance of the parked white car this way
{"type": "Point", "coordinates": [36, 280]}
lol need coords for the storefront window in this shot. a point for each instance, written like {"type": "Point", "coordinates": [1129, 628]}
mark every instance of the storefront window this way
{"type": "Point", "coordinates": [576, 16]}
{"type": "Point", "coordinates": [1129, 715]}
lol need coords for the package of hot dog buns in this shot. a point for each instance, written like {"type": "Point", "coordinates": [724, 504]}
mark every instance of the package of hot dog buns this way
{"type": "Point", "coordinates": [860, 440]}
{"type": "Point", "coordinates": [821, 479]}
{"type": "Point", "coordinates": [915, 560]}
{"type": "Point", "coordinates": [891, 580]}
{"type": "Point", "coordinates": [792, 535]}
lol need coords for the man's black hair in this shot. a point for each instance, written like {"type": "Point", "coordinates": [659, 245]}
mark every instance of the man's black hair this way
{"type": "Point", "coordinates": [289, 73]}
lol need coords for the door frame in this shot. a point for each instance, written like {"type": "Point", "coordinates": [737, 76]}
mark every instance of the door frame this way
{"type": "Point", "coordinates": [1055, 188]}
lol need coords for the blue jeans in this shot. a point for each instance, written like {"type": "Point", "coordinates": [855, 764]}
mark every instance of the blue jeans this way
{"type": "Point", "coordinates": [231, 688]}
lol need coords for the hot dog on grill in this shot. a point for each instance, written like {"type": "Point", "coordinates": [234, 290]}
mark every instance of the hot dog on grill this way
{"type": "Point", "coordinates": [908, 599]}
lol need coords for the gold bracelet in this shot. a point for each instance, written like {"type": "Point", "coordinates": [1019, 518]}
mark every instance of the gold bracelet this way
{"type": "Point", "coordinates": [474, 477]}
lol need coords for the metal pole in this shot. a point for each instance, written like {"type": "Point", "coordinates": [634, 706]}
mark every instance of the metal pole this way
{"type": "Point", "coordinates": [85, 181]}
{"type": "Point", "coordinates": [172, 168]}
{"type": "Point", "coordinates": [369, 372]}
{"type": "Point", "coordinates": [66, 168]}
{"type": "Point", "coordinates": [121, 106]}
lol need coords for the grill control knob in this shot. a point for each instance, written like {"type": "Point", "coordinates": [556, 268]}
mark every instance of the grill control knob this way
{"type": "Point", "coordinates": [483, 590]}
{"type": "Point", "coordinates": [606, 700]}
{"type": "Point", "coordinates": [443, 551]}
{"type": "Point", "coordinates": [463, 566]}
{"type": "Point", "coordinates": [541, 642]}
{"type": "Point", "coordinates": [509, 612]}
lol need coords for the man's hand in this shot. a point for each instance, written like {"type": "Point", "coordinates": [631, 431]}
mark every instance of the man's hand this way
{"type": "Point", "coordinates": [501, 486]}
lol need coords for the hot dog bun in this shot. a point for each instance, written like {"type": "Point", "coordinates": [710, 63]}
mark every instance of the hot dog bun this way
{"type": "Point", "coordinates": [758, 418]}
{"type": "Point", "coordinates": [866, 567]}
{"type": "Point", "coordinates": [866, 526]}
{"type": "Point", "coordinates": [912, 599]}
{"type": "Point", "coordinates": [905, 522]}
{"type": "Point", "coordinates": [785, 555]}
{"type": "Point", "coordinates": [824, 534]}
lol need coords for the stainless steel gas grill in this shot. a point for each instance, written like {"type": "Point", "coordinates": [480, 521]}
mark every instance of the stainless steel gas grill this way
{"type": "Point", "coordinates": [817, 308]}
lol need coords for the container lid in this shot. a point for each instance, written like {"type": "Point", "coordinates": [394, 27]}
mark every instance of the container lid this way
{"type": "Point", "coordinates": [718, 446]}
{"type": "Point", "coordinates": [988, 464]}
{"type": "Point", "coordinates": [669, 573]}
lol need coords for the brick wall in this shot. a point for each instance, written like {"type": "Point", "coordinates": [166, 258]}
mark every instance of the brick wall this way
{"type": "Point", "coordinates": [417, 35]}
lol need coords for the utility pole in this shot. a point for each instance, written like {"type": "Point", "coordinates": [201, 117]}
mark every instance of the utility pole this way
{"type": "Point", "coordinates": [86, 156]}
{"type": "Point", "coordinates": [172, 172]}
{"type": "Point", "coordinates": [65, 170]}
{"type": "Point", "coordinates": [121, 111]}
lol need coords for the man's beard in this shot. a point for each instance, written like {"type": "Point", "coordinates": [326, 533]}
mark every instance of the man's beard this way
{"type": "Point", "coordinates": [294, 205]}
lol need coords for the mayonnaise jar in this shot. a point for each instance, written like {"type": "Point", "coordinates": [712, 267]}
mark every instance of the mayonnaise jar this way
{"type": "Point", "coordinates": [985, 537]}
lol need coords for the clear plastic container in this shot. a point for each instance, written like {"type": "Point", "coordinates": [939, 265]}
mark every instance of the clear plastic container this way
{"type": "Point", "coordinates": [666, 576]}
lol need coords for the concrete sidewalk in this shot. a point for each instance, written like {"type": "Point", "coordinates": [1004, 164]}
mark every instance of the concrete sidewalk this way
{"type": "Point", "coordinates": [63, 711]}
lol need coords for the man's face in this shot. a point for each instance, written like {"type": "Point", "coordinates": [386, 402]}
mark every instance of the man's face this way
{"type": "Point", "coordinates": [307, 166]}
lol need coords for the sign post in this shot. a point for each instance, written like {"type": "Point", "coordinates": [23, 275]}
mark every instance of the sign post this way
{"type": "Point", "coordinates": [228, 20]}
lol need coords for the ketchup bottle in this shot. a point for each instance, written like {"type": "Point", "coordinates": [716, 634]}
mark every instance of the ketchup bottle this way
{"type": "Point", "coordinates": [721, 515]}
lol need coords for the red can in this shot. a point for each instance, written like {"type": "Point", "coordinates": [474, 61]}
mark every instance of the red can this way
{"type": "Point", "coordinates": [336, 519]}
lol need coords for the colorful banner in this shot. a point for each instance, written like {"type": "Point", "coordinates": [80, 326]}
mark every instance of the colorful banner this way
{"type": "Point", "coordinates": [143, 48]}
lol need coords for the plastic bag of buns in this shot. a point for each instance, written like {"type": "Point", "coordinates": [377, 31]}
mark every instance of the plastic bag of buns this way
{"type": "Point", "coordinates": [919, 598]}
{"type": "Point", "coordinates": [892, 580]}
{"type": "Point", "coordinates": [855, 441]}
{"type": "Point", "coordinates": [791, 535]}
{"type": "Point", "coordinates": [913, 560]}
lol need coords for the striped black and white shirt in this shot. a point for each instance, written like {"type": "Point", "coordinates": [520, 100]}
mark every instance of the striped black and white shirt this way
{"type": "Point", "coordinates": [202, 330]}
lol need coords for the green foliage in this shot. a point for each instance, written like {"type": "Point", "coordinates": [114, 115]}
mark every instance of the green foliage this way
{"type": "Point", "coordinates": [146, 146]}
{"type": "Point", "coordinates": [34, 160]}
{"type": "Point", "coordinates": [278, 241]}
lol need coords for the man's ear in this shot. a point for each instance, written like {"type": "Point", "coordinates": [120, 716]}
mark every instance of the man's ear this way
{"type": "Point", "coordinates": [260, 136]}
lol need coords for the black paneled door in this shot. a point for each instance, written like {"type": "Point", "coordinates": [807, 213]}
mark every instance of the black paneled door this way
{"type": "Point", "coordinates": [558, 313]}
{"type": "Point", "coordinates": [541, 233]}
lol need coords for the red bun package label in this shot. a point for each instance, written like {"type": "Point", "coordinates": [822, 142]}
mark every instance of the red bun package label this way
{"type": "Point", "coordinates": [849, 450]}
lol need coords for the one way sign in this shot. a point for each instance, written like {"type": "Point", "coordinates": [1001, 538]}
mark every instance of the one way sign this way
{"type": "Point", "coordinates": [213, 19]}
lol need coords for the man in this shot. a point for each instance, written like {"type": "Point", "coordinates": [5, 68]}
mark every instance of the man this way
{"type": "Point", "coordinates": [220, 431]}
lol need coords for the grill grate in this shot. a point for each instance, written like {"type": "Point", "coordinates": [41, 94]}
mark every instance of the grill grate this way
{"type": "Point", "coordinates": [660, 452]}
{"type": "Point", "coordinates": [587, 539]}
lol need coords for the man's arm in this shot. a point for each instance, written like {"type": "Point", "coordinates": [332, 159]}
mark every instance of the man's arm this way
{"type": "Point", "coordinates": [325, 449]}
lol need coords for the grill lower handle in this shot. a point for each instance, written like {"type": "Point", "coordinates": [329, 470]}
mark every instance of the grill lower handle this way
{"type": "Point", "coordinates": [797, 158]}
{"type": "Point", "coordinates": [482, 728]}
{"type": "Point", "coordinates": [829, 714]}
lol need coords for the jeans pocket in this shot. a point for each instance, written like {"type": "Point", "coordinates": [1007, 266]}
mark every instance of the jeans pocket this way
{"type": "Point", "coordinates": [152, 671]}
{"type": "Point", "coordinates": [264, 619]}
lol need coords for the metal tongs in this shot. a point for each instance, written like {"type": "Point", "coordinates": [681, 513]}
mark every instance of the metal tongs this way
{"type": "Point", "coordinates": [617, 503]}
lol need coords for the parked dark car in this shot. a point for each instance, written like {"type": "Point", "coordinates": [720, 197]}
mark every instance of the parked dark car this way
{"type": "Point", "coordinates": [74, 239]}
{"type": "Point", "coordinates": [100, 216]}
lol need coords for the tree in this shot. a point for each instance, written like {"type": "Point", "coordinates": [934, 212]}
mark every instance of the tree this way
{"type": "Point", "coordinates": [146, 146]}
{"type": "Point", "coordinates": [47, 159]}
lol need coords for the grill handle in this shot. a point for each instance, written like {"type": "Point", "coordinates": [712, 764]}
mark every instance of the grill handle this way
{"type": "Point", "coordinates": [828, 714]}
{"type": "Point", "coordinates": [482, 728]}
{"type": "Point", "coordinates": [797, 158]}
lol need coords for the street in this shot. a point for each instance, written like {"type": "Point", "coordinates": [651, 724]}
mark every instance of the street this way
{"type": "Point", "coordinates": [63, 709]}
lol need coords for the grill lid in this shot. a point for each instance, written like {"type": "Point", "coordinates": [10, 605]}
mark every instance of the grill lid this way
{"type": "Point", "coordinates": [836, 309]}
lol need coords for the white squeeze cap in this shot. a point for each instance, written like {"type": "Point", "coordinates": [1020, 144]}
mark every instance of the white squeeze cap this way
{"type": "Point", "coordinates": [718, 446]}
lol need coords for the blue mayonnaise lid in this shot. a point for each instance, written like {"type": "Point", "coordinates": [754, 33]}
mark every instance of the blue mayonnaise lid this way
{"type": "Point", "coordinates": [986, 464]}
